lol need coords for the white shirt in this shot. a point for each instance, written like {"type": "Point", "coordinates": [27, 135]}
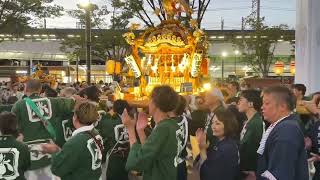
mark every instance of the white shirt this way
{"type": "Point", "coordinates": [83, 129]}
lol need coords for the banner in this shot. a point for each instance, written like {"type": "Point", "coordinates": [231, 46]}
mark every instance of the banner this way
{"type": "Point", "coordinates": [133, 66]}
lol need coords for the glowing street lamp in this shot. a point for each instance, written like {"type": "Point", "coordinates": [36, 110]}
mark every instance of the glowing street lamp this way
{"type": "Point", "coordinates": [224, 54]}
{"type": "Point", "coordinates": [84, 3]}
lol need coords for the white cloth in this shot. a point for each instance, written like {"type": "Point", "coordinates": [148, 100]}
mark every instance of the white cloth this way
{"type": "Point", "coordinates": [209, 119]}
{"type": "Point", "coordinates": [82, 129]}
{"type": "Point", "coordinates": [266, 135]}
{"type": "Point", "coordinates": [41, 174]}
{"type": "Point", "coordinates": [104, 172]}
{"type": "Point", "coordinates": [244, 130]}
{"type": "Point", "coordinates": [308, 44]}
{"type": "Point", "coordinates": [268, 175]}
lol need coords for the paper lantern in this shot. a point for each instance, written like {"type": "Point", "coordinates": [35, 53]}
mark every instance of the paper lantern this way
{"type": "Point", "coordinates": [113, 67]}
{"type": "Point", "coordinates": [279, 67]}
{"type": "Point", "coordinates": [293, 67]}
{"type": "Point", "coordinates": [110, 66]}
{"type": "Point", "coordinates": [118, 68]}
{"type": "Point", "coordinates": [204, 66]}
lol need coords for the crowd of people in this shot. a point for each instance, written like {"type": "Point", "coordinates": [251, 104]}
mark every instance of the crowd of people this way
{"type": "Point", "coordinates": [67, 132]}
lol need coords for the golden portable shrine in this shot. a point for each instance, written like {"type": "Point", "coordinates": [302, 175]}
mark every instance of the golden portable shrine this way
{"type": "Point", "coordinates": [40, 75]}
{"type": "Point", "coordinates": [169, 53]}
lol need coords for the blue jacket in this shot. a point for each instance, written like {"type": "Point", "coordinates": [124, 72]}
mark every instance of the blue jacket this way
{"type": "Point", "coordinates": [222, 161]}
{"type": "Point", "coordinates": [284, 155]}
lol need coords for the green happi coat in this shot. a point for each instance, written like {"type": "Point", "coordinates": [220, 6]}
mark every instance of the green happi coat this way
{"type": "Point", "coordinates": [115, 138]}
{"type": "Point", "coordinates": [156, 157]}
{"type": "Point", "coordinates": [249, 143]}
{"type": "Point", "coordinates": [80, 157]}
{"type": "Point", "coordinates": [33, 129]}
{"type": "Point", "coordinates": [14, 158]}
{"type": "Point", "coordinates": [64, 128]}
{"type": "Point", "coordinates": [4, 108]}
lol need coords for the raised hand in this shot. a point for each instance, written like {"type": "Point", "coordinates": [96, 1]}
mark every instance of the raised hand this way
{"type": "Point", "coordinates": [142, 122]}
{"type": "Point", "coordinates": [50, 148]}
{"type": "Point", "coordinates": [201, 137]}
{"type": "Point", "coordinates": [250, 175]}
{"type": "Point", "coordinates": [314, 158]}
{"type": "Point", "coordinates": [311, 106]}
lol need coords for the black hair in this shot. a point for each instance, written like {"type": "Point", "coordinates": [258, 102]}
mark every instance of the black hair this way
{"type": "Point", "coordinates": [253, 96]}
{"type": "Point", "coordinates": [92, 92]}
{"type": "Point", "coordinates": [236, 84]}
{"type": "Point", "coordinates": [165, 98]}
{"type": "Point", "coordinates": [50, 92]}
{"type": "Point", "coordinates": [12, 100]}
{"type": "Point", "coordinates": [9, 124]}
{"type": "Point", "coordinates": [282, 94]}
{"type": "Point", "coordinates": [120, 105]}
{"type": "Point", "coordinates": [181, 106]}
{"type": "Point", "coordinates": [231, 126]}
{"type": "Point", "coordinates": [300, 87]}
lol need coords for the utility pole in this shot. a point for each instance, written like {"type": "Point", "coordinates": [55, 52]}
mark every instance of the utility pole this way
{"type": "Point", "coordinates": [242, 23]}
{"type": "Point", "coordinates": [222, 24]}
{"type": "Point", "coordinates": [88, 43]}
{"type": "Point", "coordinates": [258, 10]}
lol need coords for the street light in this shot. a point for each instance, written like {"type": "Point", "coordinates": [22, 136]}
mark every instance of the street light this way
{"type": "Point", "coordinates": [86, 5]}
{"type": "Point", "coordinates": [224, 54]}
{"type": "Point", "coordinates": [236, 52]}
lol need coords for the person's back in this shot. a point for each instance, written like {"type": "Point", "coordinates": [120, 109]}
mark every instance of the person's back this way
{"type": "Point", "coordinates": [81, 156]}
{"type": "Point", "coordinates": [154, 156]}
{"type": "Point", "coordinates": [160, 150]}
{"type": "Point", "coordinates": [116, 146]}
{"type": "Point", "coordinates": [116, 141]}
{"type": "Point", "coordinates": [38, 130]}
{"type": "Point", "coordinates": [14, 155]}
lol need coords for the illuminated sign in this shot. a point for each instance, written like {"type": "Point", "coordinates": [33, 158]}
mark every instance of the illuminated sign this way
{"type": "Point", "coordinates": [196, 63]}
{"type": "Point", "coordinates": [133, 66]}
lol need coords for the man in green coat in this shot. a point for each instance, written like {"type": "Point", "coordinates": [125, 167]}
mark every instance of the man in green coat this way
{"type": "Point", "coordinates": [38, 130]}
{"type": "Point", "coordinates": [14, 155]}
{"type": "Point", "coordinates": [116, 141]}
{"type": "Point", "coordinates": [81, 156]}
{"type": "Point", "coordinates": [155, 156]}
{"type": "Point", "coordinates": [5, 107]}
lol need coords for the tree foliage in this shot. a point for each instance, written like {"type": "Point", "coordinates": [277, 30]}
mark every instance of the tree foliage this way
{"type": "Point", "coordinates": [258, 49]}
{"type": "Point", "coordinates": [16, 15]}
{"type": "Point", "coordinates": [106, 44]}
{"type": "Point", "coordinates": [149, 10]}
